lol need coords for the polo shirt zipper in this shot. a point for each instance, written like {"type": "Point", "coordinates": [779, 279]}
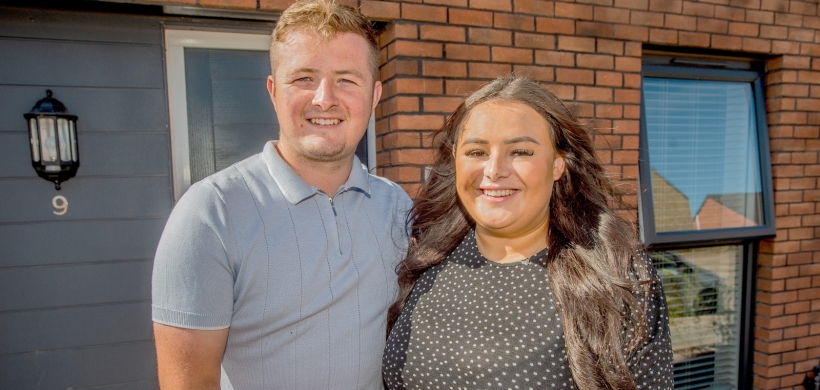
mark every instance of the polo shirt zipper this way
{"type": "Point", "coordinates": [335, 219]}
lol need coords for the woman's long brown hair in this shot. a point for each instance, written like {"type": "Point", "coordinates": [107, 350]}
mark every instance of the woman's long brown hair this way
{"type": "Point", "coordinates": [592, 249]}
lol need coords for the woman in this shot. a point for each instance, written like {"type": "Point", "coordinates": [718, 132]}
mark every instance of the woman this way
{"type": "Point", "coordinates": [520, 274]}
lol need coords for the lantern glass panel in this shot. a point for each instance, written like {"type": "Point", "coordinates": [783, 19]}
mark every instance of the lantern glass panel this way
{"type": "Point", "coordinates": [34, 139]}
{"type": "Point", "coordinates": [65, 142]}
{"type": "Point", "coordinates": [48, 140]}
{"type": "Point", "coordinates": [73, 134]}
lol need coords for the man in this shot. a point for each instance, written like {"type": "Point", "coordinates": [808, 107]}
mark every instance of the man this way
{"type": "Point", "coordinates": [277, 272]}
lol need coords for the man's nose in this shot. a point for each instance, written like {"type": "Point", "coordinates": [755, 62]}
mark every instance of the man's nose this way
{"type": "Point", "coordinates": [325, 96]}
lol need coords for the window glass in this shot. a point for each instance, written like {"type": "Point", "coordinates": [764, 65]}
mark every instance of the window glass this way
{"type": "Point", "coordinates": [703, 154]}
{"type": "Point", "coordinates": [703, 295]}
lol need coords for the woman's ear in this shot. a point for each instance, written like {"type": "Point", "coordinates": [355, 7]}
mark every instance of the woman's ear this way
{"type": "Point", "coordinates": [558, 167]}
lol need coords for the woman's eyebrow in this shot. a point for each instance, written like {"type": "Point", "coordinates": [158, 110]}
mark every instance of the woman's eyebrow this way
{"type": "Point", "coordinates": [521, 139]}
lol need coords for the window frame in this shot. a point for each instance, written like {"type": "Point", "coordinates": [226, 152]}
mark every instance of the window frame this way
{"type": "Point", "coordinates": [649, 235]}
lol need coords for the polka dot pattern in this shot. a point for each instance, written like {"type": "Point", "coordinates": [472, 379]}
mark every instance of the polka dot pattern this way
{"type": "Point", "coordinates": [473, 323]}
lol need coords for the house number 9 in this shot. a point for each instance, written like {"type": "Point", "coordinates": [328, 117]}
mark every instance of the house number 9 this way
{"type": "Point", "coordinates": [61, 204]}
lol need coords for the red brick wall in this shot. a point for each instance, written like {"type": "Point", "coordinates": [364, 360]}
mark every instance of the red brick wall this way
{"type": "Point", "coordinates": [589, 54]}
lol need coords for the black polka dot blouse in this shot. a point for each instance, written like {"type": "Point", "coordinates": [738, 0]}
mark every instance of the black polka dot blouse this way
{"type": "Point", "coordinates": [471, 323]}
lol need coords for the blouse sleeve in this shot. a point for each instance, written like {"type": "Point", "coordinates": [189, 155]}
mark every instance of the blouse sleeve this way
{"type": "Point", "coordinates": [651, 364]}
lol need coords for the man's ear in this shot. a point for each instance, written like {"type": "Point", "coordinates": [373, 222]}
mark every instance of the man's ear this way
{"type": "Point", "coordinates": [558, 167]}
{"type": "Point", "coordinates": [377, 93]}
{"type": "Point", "coordinates": [272, 91]}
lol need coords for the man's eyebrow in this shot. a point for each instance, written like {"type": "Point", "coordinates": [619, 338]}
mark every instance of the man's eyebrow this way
{"type": "Point", "coordinates": [303, 70]}
{"type": "Point", "coordinates": [349, 71]}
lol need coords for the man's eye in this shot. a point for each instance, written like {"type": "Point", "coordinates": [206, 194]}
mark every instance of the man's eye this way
{"type": "Point", "coordinates": [522, 152]}
{"type": "Point", "coordinates": [302, 80]}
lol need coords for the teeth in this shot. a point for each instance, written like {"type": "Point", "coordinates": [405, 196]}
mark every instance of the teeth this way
{"type": "Point", "coordinates": [498, 193]}
{"type": "Point", "coordinates": [325, 122]}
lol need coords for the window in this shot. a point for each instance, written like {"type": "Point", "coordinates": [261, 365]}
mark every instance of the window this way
{"type": "Point", "coordinates": [706, 197]}
{"type": "Point", "coordinates": [219, 106]}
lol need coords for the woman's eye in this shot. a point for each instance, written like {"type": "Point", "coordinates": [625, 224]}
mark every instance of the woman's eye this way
{"type": "Point", "coordinates": [522, 152]}
{"type": "Point", "coordinates": [475, 153]}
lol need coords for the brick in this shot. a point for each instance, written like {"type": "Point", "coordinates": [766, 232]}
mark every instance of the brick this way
{"type": "Point", "coordinates": [413, 86]}
{"type": "Point", "coordinates": [514, 22]}
{"type": "Point", "coordinates": [755, 44]}
{"type": "Point", "coordinates": [508, 54]}
{"type": "Point", "coordinates": [537, 73]}
{"type": "Point", "coordinates": [578, 44]}
{"type": "Point", "coordinates": [730, 13]}
{"type": "Point", "coordinates": [554, 58]}
{"type": "Point", "coordinates": [401, 139]}
{"type": "Point", "coordinates": [470, 17]}
{"type": "Point", "coordinates": [489, 36]}
{"type": "Point", "coordinates": [415, 122]}
{"type": "Point", "coordinates": [615, 111]}
{"type": "Point", "coordinates": [810, 48]}
{"type": "Point", "coordinates": [441, 104]}
{"type": "Point", "coordinates": [726, 42]}
{"type": "Point", "coordinates": [442, 33]}
{"type": "Point", "coordinates": [425, 13]}
{"type": "Point", "coordinates": [573, 11]}
{"type": "Point", "coordinates": [699, 9]}
{"type": "Point", "coordinates": [625, 157]}
{"type": "Point", "coordinates": [634, 33]}
{"type": "Point", "coordinates": [772, 32]}
{"type": "Point", "coordinates": [670, 6]}
{"type": "Point", "coordinates": [444, 69]}
{"type": "Point", "coordinates": [399, 104]}
{"type": "Point", "coordinates": [467, 52]}
{"type": "Point", "coordinates": [680, 22]}
{"type": "Point", "coordinates": [595, 61]}
{"type": "Point", "coordinates": [463, 87]}
{"type": "Point", "coordinates": [744, 29]}
{"type": "Point", "coordinates": [693, 39]}
{"type": "Point", "coordinates": [235, 4]}
{"type": "Point", "coordinates": [534, 7]}
{"type": "Point", "coordinates": [403, 174]}
{"type": "Point", "coordinates": [593, 94]}
{"type": "Point", "coordinates": [494, 5]}
{"type": "Point", "coordinates": [451, 3]}
{"type": "Point", "coordinates": [610, 79]}
{"type": "Point", "coordinates": [594, 29]}
{"type": "Point", "coordinates": [607, 46]}
{"type": "Point", "coordinates": [574, 76]}
{"type": "Point", "coordinates": [762, 17]}
{"type": "Point", "coordinates": [555, 26]}
{"type": "Point", "coordinates": [380, 10]}
{"type": "Point", "coordinates": [534, 41]}
{"type": "Point", "coordinates": [663, 36]}
{"type": "Point", "coordinates": [489, 71]}
{"type": "Point", "coordinates": [632, 4]}
{"type": "Point", "coordinates": [804, 8]}
{"type": "Point", "coordinates": [713, 25]}
{"type": "Point", "coordinates": [628, 64]}
{"type": "Point", "coordinates": [628, 96]}
{"type": "Point", "coordinates": [649, 19]}
{"type": "Point", "coordinates": [563, 92]}
{"type": "Point", "coordinates": [611, 15]}
{"type": "Point", "coordinates": [417, 49]}
{"type": "Point", "coordinates": [782, 19]}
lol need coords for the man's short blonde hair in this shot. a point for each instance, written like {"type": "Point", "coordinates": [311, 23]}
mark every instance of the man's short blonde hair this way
{"type": "Point", "coordinates": [326, 19]}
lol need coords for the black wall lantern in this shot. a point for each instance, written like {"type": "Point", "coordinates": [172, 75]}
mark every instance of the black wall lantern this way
{"type": "Point", "coordinates": [53, 134]}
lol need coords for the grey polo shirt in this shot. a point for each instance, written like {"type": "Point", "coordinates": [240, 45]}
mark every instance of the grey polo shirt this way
{"type": "Point", "coordinates": [303, 283]}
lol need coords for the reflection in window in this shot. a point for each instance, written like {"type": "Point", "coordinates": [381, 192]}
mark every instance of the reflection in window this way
{"type": "Point", "coordinates": [703, 154]}
{"type": "Point", "coordinates": [703, 295]}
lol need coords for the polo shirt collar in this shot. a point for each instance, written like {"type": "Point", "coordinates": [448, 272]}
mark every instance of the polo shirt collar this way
{"type": "Point", "coordinates": [295, 189]}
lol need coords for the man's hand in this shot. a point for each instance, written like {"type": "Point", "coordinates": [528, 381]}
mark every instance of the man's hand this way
{"type": "Point", "coordinates": [189, 358]}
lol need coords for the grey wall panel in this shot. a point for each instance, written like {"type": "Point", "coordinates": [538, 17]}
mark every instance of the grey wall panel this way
{"type": "Point", "coordinates": [44, 330]}
{"type": "Point", "coordinates": [100, 154]}
{"type": "Point", "coordinates": [125, 154]}
{"type": "Point", "coordinates": [240, 64]}
{"type": "Point", "coordinates": [104, 27]}
{"type": "Point", "coordinates": [15, 155]}
{"type": "Point", "coordinates": [98, 109]}
{"type": "Point", "coordinates": [88, 198]}
{"type": "Point", "coordinates": [79, 368]}
{"type": "Point", "coordinates": [139, 385]}
{"type": "Point", "coordinates": [70, 285]}
{"type": "Point", "coordinates": [81, 63]}
{"type": "Point", "coordinates": [89, 241]}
